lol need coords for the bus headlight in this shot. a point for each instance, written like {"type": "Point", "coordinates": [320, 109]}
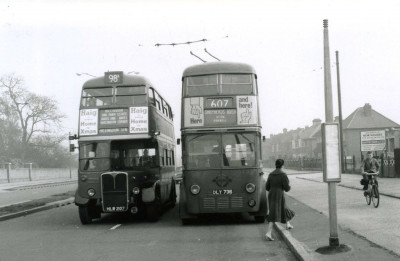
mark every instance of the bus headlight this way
{"type": "Point", "coordinates": [195, 189]}
{"type": "Point", "coordinates": [250, 187]}
{"type": "Point", "coordinates": [91, 192]}
{"type": "Point", "coordinates": [135, 190]}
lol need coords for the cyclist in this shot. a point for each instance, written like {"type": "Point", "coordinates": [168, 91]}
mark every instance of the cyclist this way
{"type": "Point", "coordinates": [369, 165]}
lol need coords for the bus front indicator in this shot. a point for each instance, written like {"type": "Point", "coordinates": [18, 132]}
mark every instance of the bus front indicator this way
{"type": "Point", "coordinates": [195, 189]}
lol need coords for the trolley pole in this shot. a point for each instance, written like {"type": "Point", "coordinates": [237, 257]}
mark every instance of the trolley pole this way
{"type": "Point", "coordinates": [333, 238]}
{"type": "Point", "coordinates": [340, 114]}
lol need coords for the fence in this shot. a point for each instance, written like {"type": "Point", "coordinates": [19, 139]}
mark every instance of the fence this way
{"type": "Point", "coordinates": [388, 168]}
{"type": "Point", "coordinates": [9, 174]}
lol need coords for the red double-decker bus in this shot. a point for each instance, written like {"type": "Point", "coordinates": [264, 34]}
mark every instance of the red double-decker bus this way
{"type": "Point", "coordinates": [126, 148]}
{"type": "Point", "coordinates": [221, 142]}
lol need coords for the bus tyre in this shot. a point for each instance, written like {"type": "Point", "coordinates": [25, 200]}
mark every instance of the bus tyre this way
{"type": "Point", "coordinates": [85, 215]}
{"type": "Point", "coordinates": [153, 210]}
{"type": "Point", "coordinates": [186, 221]}
{"type": "Point", "coordinates": [259, 219]}
{"type": "Point", "coordinates": [172, 197]}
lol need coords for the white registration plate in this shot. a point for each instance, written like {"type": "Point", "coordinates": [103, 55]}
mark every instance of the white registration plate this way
{"type": "Point", "coordinates": [222, 192]}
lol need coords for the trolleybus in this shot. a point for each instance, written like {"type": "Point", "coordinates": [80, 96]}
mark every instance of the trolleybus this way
{"type": "Point", "coordinates": [221, 142]}
{"type": "Point", "coordinates": [126, 148]}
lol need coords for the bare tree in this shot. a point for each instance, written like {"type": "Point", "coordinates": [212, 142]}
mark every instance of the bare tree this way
{"type": "Point", "coordinates": [37, 115]}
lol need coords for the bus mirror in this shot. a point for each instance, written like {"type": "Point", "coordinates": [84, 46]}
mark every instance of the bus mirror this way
{"type": "Point", "coordinates": [71, 147]}
{"type": "Point", "coordinates": [178, 141]}
{"type": "Point", "coordinates": [263, 138]}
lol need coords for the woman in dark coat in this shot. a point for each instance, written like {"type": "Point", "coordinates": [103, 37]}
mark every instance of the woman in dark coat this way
{"type": "Point", "coordinates": [277, 183]}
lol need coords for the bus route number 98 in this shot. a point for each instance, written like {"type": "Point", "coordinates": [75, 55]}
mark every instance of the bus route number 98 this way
{"type": "Point", "coordinates": [113, 77]}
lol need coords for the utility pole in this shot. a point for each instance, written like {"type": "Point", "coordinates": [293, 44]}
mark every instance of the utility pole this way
{"type": "Point", "coordinates": [333, 238]}
{"type": "Point", "coordinates": [340, 114]}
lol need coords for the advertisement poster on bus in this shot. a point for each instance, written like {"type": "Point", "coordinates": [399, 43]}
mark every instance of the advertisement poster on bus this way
{"type": "Point", "coordinates": [373, 140]}
{"type": "Point", "coordinates": [246, 110]}
{"type": "Point", "coordinates": [139, 119]}
{"type": "Point", "coordinates": [88, 122]}
{"type": "Point", "coordinates": [194, 112]}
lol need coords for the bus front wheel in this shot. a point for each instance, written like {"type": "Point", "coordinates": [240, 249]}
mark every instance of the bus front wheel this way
{"type": "Point", "coordinates": [85, 215]}
{"type": "Point", "coordinates": [153, 210]}
{"type": "Point", "coordinates": [259, 219]}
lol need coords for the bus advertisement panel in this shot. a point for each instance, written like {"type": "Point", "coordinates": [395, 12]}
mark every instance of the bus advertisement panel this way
{"type": "Point", "coordinates": [216, 111]}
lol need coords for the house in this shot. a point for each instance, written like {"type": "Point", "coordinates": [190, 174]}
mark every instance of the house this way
{"type": "Point", "coordinates": [306, 142]}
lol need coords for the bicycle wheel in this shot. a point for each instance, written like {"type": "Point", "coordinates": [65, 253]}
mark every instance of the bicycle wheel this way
{"type": "Point", "coordinates": [375, 196]}
{"type": "Point", "coordinates": [368, 196]}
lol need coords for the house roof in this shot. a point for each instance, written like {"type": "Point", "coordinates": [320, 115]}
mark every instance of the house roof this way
{"type": "Point", "coordinates": [367, 118]}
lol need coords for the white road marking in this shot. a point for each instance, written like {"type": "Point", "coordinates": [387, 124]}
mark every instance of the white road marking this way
{"type": "Point", "coordinates": [115, 227]}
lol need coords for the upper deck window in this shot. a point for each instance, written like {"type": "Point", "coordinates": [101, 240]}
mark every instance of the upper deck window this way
{"type": "Point", "coordinates": [130, 90]}
{"type": "Point", "coordinates": [220, 84]}
{"type": "Point", "coordinates": [96, 96]}
{"type": "Point", "coordinates": [236, 84]}
{"type": "Point", "coordinates": [202, 85]}
{"type": "Point", "coordinates": [131, 95]}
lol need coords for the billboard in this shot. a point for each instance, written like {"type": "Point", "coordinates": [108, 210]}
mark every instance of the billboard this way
{"type": "Point", "coordinates": [373, 140]}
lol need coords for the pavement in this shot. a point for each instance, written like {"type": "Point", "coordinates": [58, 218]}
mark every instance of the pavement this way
{"type": "Point", "coordinates": [309, 240]}
{"type": "Point", "coordinates": [26, 185]}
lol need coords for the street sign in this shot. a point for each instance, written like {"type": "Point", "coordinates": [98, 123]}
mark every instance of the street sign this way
{"type": "Point", "coordinates": [373, 140]}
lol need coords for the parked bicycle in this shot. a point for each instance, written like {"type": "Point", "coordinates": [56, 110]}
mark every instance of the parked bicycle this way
{"type": "Point", "coordinates": [372, 194]}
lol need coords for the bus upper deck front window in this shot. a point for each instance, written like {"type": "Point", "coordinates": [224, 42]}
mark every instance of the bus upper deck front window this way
{"type": "Point", "coordinates": [236, 84]}
{"type": "Point", "coordinates": [133, 95]}
{"type": "Point", "coordinates": [92, 97]}
{"type": "Point", "coordinates": [202, 85]}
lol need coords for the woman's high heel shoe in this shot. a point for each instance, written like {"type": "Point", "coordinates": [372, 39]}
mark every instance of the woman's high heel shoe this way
{"type": "Point", "coordinates": [289, 227]}
{"type": "Point", "coordinates": [269, 238]}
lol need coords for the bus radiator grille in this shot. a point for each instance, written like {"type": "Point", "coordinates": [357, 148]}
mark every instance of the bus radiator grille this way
{"type": "Point", "coordinates": [237, 202]}
{"type": "Point", "coordinates": [222, 202]}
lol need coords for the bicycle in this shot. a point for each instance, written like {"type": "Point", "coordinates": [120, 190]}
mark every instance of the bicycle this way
{"type": "Point", "coordinates": [373, 191]}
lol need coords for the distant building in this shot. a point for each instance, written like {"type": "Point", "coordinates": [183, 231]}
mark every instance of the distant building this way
{"type": "Point", "coordinates": [302, 142]}
{"type": "Point", "coordinates": [367, 119]}
{"type": "Point", "coordinates": [306, 142]}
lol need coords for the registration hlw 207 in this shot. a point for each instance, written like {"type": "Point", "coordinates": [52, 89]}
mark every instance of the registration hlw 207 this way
{"type": "Point", "coordinates": [222, 192]}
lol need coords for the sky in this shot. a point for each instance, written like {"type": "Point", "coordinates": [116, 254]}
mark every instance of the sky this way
{"type": "Point", "coordinates": [48, 42]}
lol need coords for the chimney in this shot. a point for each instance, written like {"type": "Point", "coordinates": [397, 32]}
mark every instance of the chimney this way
{"type": "Point", "coordinates": [316, 122]}
{"type": "Point", "coordinates": [367, 109]}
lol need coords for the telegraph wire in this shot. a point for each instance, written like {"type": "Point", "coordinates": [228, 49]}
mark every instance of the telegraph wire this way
{"type": "Point", "coordinates": [174, 44]}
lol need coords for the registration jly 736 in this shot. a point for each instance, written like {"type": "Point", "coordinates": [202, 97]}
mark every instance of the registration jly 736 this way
{"type": "Point", "coordinates": [222, 192]}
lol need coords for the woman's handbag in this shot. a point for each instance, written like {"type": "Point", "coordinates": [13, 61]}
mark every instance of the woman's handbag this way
{"type": "Point", "coordinates": [289, 214]}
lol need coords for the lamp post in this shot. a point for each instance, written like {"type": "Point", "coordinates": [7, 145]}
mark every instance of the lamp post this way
{"type": "Point", "coordinates": [343, 159]}
{"type": "Point", "coordinates": [333, 238]}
